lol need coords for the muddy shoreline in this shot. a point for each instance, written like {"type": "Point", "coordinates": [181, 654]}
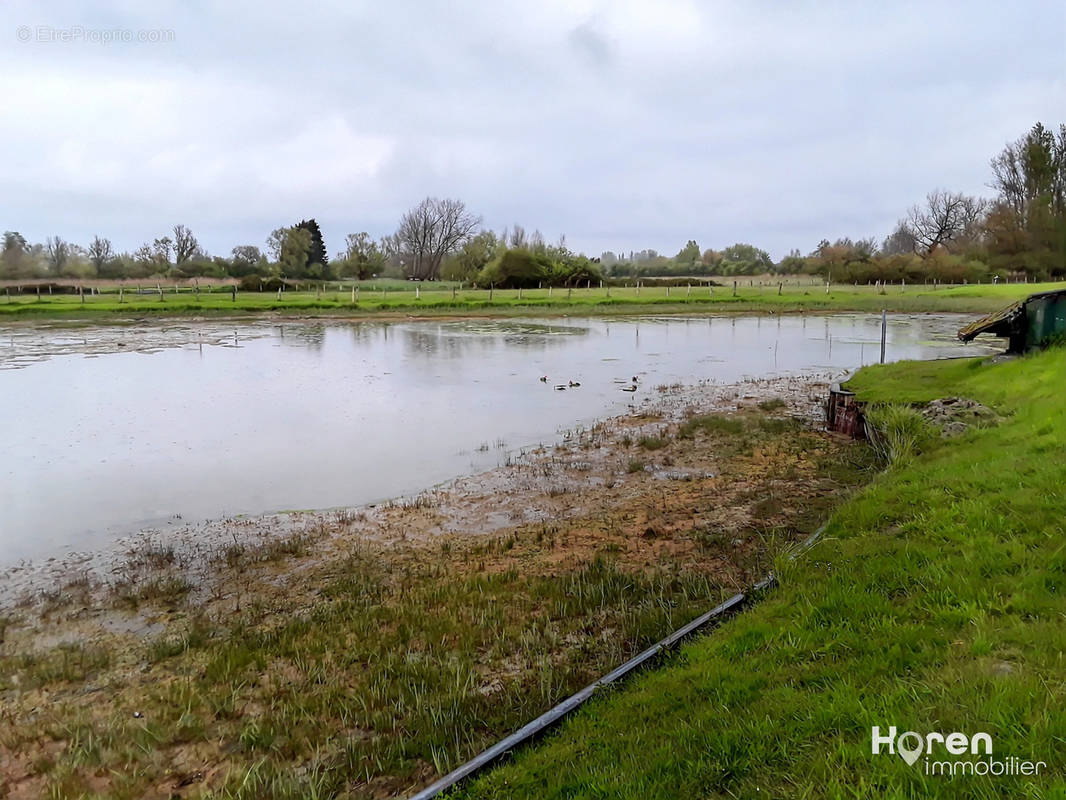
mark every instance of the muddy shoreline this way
{"type": "Point", "coordinates": [535, 484]}
{"type": "Point", "coordinates": [363, 637]}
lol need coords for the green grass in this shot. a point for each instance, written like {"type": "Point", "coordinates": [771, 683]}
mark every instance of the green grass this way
{"type": "Point", "coordinates": [445, 299]}
{"type": "Point", "coordinates": [653, 442]}
{"type": "Point", "coordinates": [934, 602]}
{"type": "Point", "coordinates": [899, 432]}
{"type": "Point", "coordinates": [711, 423]}
{"type": "Point", "coordinates": [63, 663]}
{"type": "Point", "coordinates": [390, 672]}
{"type": "Point", "coordinates": [773, 404]}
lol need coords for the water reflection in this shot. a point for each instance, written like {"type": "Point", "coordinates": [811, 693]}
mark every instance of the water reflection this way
{"type": "Point", "coordinates": [309, 335]}
{"type": "Point", "coordinates": [461, 339]}
{"type": "Point", "coordinates": [112, 427]}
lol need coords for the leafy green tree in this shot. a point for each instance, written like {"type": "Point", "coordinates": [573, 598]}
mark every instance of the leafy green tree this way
{"type": "Point", "coordinates": [471, 258]}
{"type": "Point", "coordinates": [745, 259]}
{"type": "Point", "coordinates": [1027, 225]}
{"type": "Point", "coordinates": [516, 268]}
{"type": "Point", "coordinates": [362, 258]}
{"type": "Point", "coordinates": [295, 253]}
{"type": "Point", "coordinates": [574, 270]}
{"type": "Point", "coordinates": [792, 264]}
{"type": "Point", "coordinates": [689, 255]}
{"type": "Point", "coordinates": [712, 260]}
{"type": "Point", "coordinates": [247, 259]}
{"type": "Point", "coordinates": [316, 254]}
{"type": "Point", "coordinates": [15, 260]}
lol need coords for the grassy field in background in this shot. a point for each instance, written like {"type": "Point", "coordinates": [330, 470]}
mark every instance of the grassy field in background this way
{"type": "Point", "coordinates": [934, 602]}
{"type": "Point", "coordinates": [444, 299]}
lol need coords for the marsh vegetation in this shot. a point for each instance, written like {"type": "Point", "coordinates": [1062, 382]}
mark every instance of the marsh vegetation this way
{"type": "Point", "coordinates": [374, 649]}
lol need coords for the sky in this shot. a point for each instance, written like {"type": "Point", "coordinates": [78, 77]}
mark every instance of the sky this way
{"type": "Point", "coordinates": [622, 125]}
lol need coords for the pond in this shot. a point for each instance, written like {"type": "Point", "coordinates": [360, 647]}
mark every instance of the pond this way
{"type": "Point", "coordinates": [111, 428]}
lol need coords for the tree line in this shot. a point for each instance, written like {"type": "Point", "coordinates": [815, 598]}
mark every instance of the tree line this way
{"type": "Point", "coordinates": [949, 236]}
{"type": "Point", "coordinates": [438, 238]}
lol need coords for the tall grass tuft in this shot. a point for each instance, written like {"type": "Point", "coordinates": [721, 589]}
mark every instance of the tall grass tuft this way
{"type": "Point", "coordinates": [898, 432]}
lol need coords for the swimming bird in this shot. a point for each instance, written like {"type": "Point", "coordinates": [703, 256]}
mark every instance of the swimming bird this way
{"type": "Point", "coordinates": [574, 383]}
{"type": "Point", "coordinates": [629, 388]}
{"type": "Point", "coordinates": [544, 379]}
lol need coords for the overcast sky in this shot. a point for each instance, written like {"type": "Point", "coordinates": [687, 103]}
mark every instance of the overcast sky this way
{"type": "Point", "coordinates": [622, 125]}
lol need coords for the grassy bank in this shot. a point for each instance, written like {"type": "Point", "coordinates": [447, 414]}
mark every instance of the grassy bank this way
{"type": "Point", "coordinates": [934, 602]}
{"type": "Point", "coordinates": [358, 658]}
{"type": "Point", "coordinates": [431, 300]}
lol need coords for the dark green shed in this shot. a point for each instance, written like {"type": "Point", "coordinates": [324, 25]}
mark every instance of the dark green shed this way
{"type": "Point", "coordinates": [1026, 324]}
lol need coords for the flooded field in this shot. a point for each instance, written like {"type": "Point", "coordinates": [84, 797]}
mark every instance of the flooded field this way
{"type": "Point", "coordinates": [110, 429]}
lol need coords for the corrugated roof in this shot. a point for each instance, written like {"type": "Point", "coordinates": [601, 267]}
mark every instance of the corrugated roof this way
{"type": "Point", "coordinates": [1006, 315]}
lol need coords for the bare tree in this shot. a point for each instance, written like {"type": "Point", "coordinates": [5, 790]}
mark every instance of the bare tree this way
{"type": "Point", "coordinates": [162, 249]}
{"type": "Point", "coordinates": [1009, 173]}
{"type": "Point", "coordinates": [432, 230]}
{"type": "Point", "coordinates": [275, 240]}
{"type": "Point", "coordinates": [390, 248]}
{"type": "Point", "coordinates": [518, 237]}
{"type": "Point", "coordinates": [99, 252]}
{"type": "Point", "coordinates": [144, 256]}
{"type": "Point", "coordinates": [57, 252]}
{"type": "Point", "coordinates": [185, 244]}
{"type": "Point", "coordinates": [900, 241]}
{"type": "Point", "coordinates": [945, 218]}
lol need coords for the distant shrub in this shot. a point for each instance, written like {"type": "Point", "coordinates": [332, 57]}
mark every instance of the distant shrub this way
{"type": "Point", "coordinates": [516, 268]}
{"type": "Point", "coordinates": [256, 283]}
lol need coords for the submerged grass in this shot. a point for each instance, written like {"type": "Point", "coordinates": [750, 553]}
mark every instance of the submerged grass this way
{"type": "Point", "coordinates": [933, 602]}
{"type": "Point", "coordinates": [396, 673]}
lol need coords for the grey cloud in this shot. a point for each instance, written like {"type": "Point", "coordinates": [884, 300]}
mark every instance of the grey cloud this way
{"type": "Point", "coordinates": [591, 44]}
{"type": "Point", "coordinates": [636, 124]}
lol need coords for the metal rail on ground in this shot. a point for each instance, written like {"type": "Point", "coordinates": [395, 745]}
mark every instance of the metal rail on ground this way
{"type": "Point", "coordinates": [532, 729]}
